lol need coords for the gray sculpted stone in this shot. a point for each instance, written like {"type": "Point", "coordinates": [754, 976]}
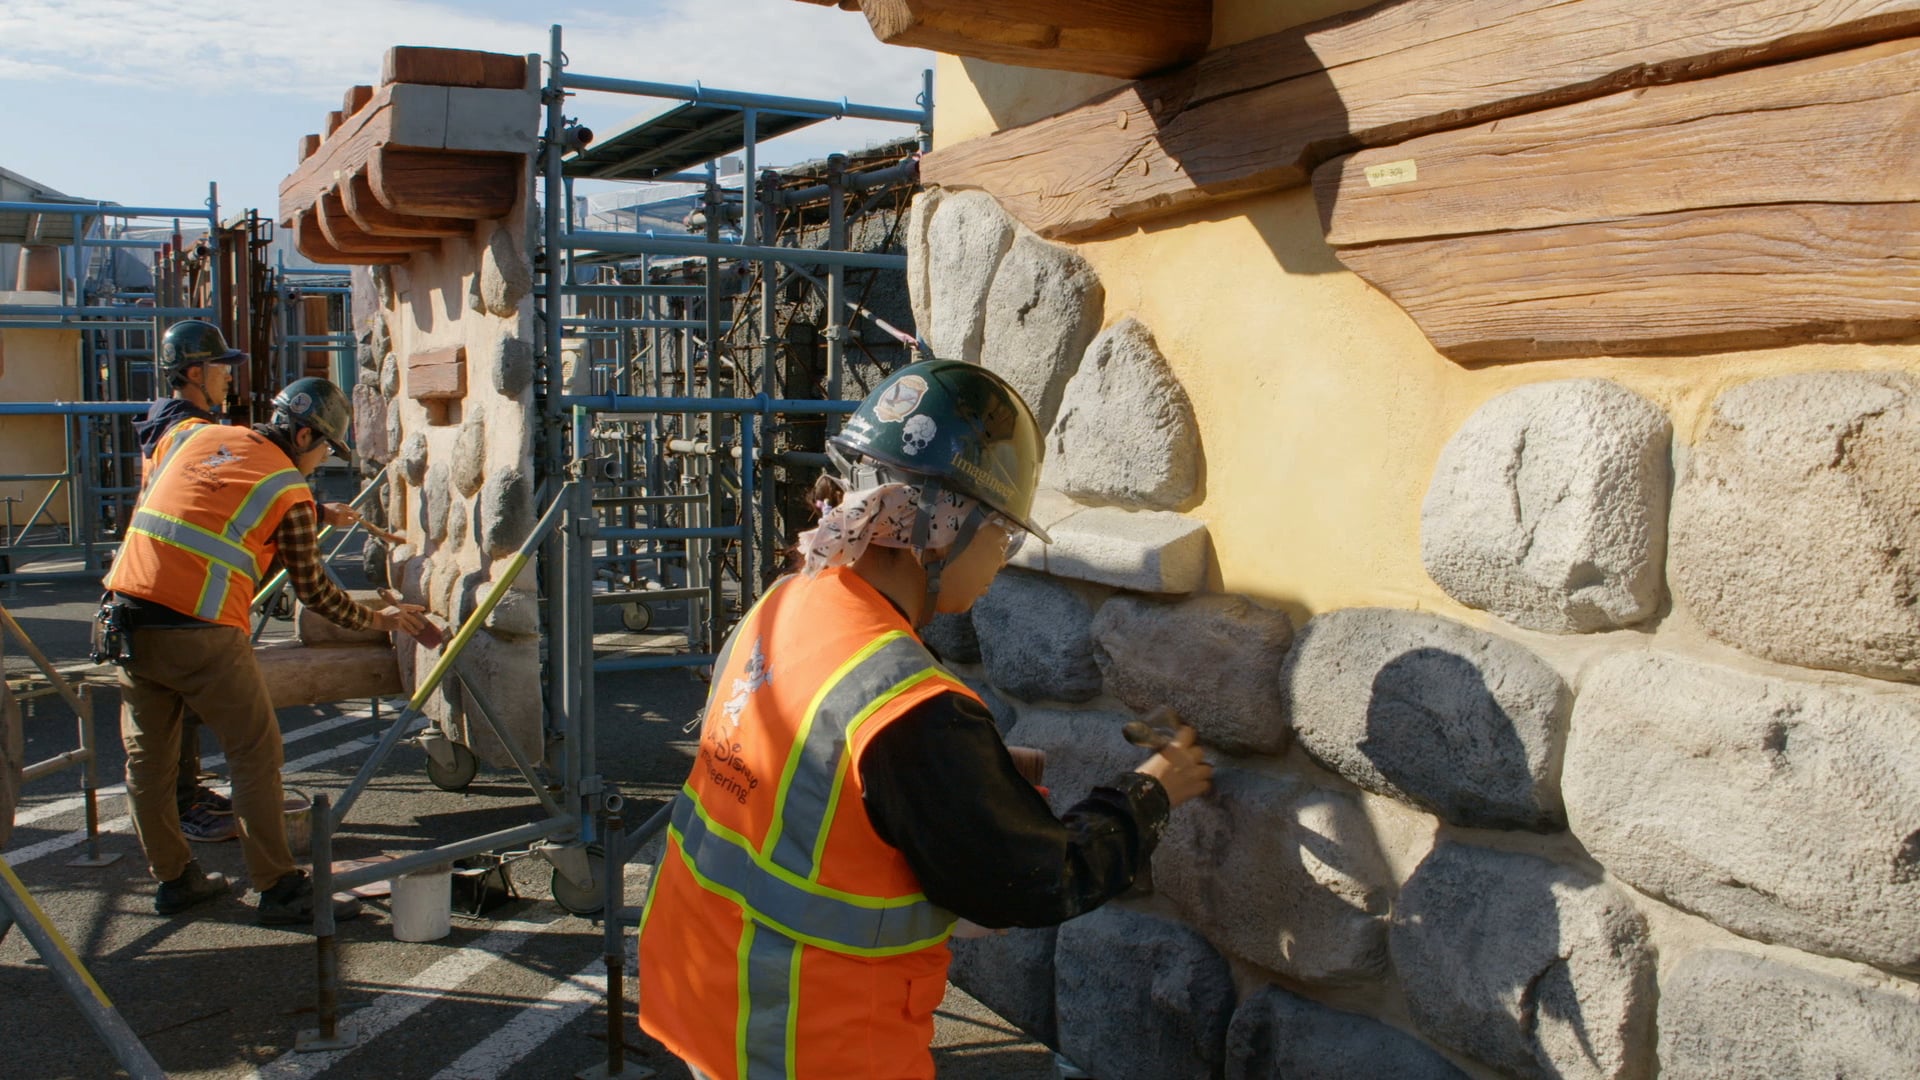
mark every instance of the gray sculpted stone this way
{"type": "Point", "coordinates": [1042, 311]}
{"type": "Point", "coordinates": [436, 497]}
{"type": "Point", "coordinates": [390, 375]}
{"type": "Point", "coordinates": [381, 337]}
{"type": "Point", "coordinates": [1084, 750]}
{"type": "Point", "coordinates": [506, 511]}
{"type": "Point", "coordinates": [1033, 639]}
{"type": "Point", "coordinates": [1549, 506]}
{"type": "Point", "coordinates": [1536, 969]}
{"type": "Point", "coordinates": [1126, 432]}
{"type": "Point", "coordinates": [457, 516]}
{"type": "Point", "coordinates": [1012, 974]}
{"type": "Point", "coordinates": [1431, 712]}
{"type": "Point", "coordinates": [1153, 551]}
{"type": "Point", "coordinates": [918, 257]}
{"type": "Point", "coordinates": [1278, 1035]}
{"type": "Point", "coordinates": [411, 571]}
{"type": "Point", "coordinates": [370, 425]}
{"type": "Point", "coordinates": [508, 674]}
{"type": "Point", "coordinates": [952, 638]}
{"type": "Point", "coordinates": [394, 433]}
{"type": "Point", "coordinates": [1783, 810]}
{"type": "Point", "coordinates": [1153, 651]}
{"type": "Point", "coordinates": [513, 367]}
{"type": "Point", "coordinates": [1280, 873]}
{"type": "Point", "coordinates": [1140, 997]}
{"type": "Point", "coordinates": [413, 458]}
{"type": "Point", "coordinates": [1732, 1016]}
{"type": "Point", "coordinates": [965, 242]}
{"type": "Point", "coordinates": [470, 455]}
{"type": "Point", "coordinates": [505, 278]}
{"type": "Point", "coordinates": [516, 617]}
{"type": "Point", "coordinates": [1796, 524]}
{"type": "Point", "coordinates": [382, 289]}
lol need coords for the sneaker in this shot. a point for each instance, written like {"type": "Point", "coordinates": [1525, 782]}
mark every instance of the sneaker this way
{"type": "Point", "coordinates": [210, 799]}
{"type": "Point", "coordinates": [193, 886]}
{"type": "Point", "coordinates": [207, 826]}
{"type": "Point", "coordinates": [289, 902]}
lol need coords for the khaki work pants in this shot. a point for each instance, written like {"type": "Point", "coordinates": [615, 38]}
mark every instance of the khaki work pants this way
{"type": "Point", "coordinates": [210, 669]}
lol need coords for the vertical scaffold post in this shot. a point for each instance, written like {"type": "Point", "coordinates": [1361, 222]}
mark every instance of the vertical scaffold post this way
{"type": "Point", "coordinates": [326, 954]}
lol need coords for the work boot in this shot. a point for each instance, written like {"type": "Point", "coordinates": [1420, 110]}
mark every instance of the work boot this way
{"type": "Point", "coordinates": [289, 902]}
{"type": "Point", "coordinates": [193, 886]}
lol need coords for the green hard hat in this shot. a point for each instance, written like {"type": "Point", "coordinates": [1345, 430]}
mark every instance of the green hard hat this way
{"type": "Point", "coordinates": [316, 404]}
{"type": "Point", "coordinates": [957, 423]}
{"type": "Point", "coordinates": [192, 342]}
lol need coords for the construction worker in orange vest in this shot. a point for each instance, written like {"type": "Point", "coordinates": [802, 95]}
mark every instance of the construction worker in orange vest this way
{"type": "Point", "coordinates": [851, 798]}
{"type": "Point", "coordinates": [221, 506]}
{"type": "Point", "coordinates": [198, 366]}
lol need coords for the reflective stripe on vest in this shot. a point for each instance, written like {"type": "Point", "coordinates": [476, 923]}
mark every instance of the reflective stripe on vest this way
{"type": "Point", "coordinates": [769, 962]}
{"type": "Point", "coordinates": [170, 443]}
{"type": "Point", "coordinates": [781, 889]}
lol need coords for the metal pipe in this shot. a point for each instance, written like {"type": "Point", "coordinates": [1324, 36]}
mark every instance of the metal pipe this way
{"type": "Point", "coordinates": [758, 404]}
{"type": "Point", "coordinates": [108, 310]}
{"type": "Point", "coordinates": [440, 856]}
{"type": "Point", "coordinates": [100, 210]}
{"type": "Point", "coordinates": [74, 408]}
{"type": "Point", "coordinates": [903, 171]}
{"type": "Point", "coordinates": [641, 324]}
{"type": "Point", "coordinates": [832, 110]}
{"type": "Point", "coordinates": [643, 244]}
{"type": "Point", "coordinates": [634, 290]}
{"type": "Point", "coordinates": [652, 663]}
{"type": "Point", "coordinates": [485, 707]}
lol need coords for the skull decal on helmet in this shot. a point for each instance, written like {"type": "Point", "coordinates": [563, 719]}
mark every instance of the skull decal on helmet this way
{"type": "Point", "coordinates": [918, 434]}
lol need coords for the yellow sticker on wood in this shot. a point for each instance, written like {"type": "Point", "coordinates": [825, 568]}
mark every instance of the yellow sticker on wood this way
{"type": "Point", "coordinates": [1393, 172]}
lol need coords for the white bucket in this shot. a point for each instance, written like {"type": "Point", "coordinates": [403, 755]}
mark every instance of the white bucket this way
{"type": "Point", "coordinates": [299, 812]}
{"type": "Point", "coordinates": [423, 905]}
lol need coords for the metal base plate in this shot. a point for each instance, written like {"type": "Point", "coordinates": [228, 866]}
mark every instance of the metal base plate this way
{"type": "Point", "coordinates": [310, 1042]}
{"type": "Point", "coordinates": [628, 1071]}
{"type": "Point", "coordinates": [93, 861]}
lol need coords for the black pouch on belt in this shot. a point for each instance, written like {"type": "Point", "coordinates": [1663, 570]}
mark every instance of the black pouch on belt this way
{"type": "Point", "coordinates": [112, 632]}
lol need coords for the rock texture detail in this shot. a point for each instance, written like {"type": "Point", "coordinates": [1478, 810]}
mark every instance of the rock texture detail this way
{"type": "Point", "coordinates": [1140, 998]}
{"type": "Point", "coordinates": [1034, 639]}
{"type": "Point", "coordinates": [1796, 525]}
{"type": "Point", "coordinates": [1548, 507]}
{"type": "Point", "coordinates": [1084, 749]}
{"type": "Point", "coordinates": [1730, 1016]}
{"type": "Point", "coordinates": [1282, 874]}
{"type": "Point", "coordinates": [952, 638]}
{"type": "Point", "coordinates": [470, 456]}
{"type": "Point", "coordinates": [513, 367]}
{"type": "Point", "coordinates": [1042, 311]}
{"type": "Point", "coordinates": [1277, 1035]}
{"type": "Point", "coordinates": [1126, 433]}
{"type": "Point", "coordinates": [506, 511]}
{"type": "Point", "coordinates": [1784, 811]}
{"type": "Point", "coordinates": [919, 296]}
{"type": "Point", "coordinates": [1425, 710]}
{"type": "Point", "coordinates": [505, 278]}
{"type": "Point", "coordinates": [436, 499]}
{"type": "Point", "coordinates": [965, 242]}
{"type": "Point", "coordinates": [1012, 974]}
{"type": "Point", "coordinates": [1534, 968]}
{"type": "Point", "coordinates": [1150, 650]}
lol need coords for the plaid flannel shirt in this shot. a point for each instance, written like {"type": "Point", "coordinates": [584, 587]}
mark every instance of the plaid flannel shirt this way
{"type": "Point", "coordinates": [299, 539]}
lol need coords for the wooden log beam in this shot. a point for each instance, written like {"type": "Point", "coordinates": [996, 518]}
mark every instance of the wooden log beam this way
{"type": "Point", "coordinates": [347, 237]}
{"type": "Point", "coordinates": [437, 374]}
{"type": "Point", "coordinates": [1692, 282]}
{"type": "Point", "coordinates": [453, 67]}
{"type": "Point", "coordinates": [1128, 38]}
{"type": "Point", "coordinates": [313, 631]}
{"type": "Point", "coordinates": [308, 144]}
{"type": "Point", "coordinates": [1259, 116]}
{"type": "Point", "coordinates": [357, 97]}
{"type": "Point", "coordinates": [298, 675]}
{"type": "Point", "coordinates": [311, 242]}
{"type": "Point", "coordinates": [376, 220]}
{"type": "Point", "coordinates": [1834, 128]}
{"type": "Point", "coordinates": [432, 183]}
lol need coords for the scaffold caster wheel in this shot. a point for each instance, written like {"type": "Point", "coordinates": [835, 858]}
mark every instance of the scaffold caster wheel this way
{"type": "Point", "coordinates": [457, 776]}
{"type": "Point", "coordinates": [575, 900]}
{"type": "Point", "coordinates": [636, 617]}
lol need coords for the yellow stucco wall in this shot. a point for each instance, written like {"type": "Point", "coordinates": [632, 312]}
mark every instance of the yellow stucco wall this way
{"type": "Point", "coordinates": [1322, 407]}
{"type": "Point", "coordinates": [39, 365]}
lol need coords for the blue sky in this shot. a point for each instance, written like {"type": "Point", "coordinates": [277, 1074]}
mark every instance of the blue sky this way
{"type": "Point", "coordinates": [143, 102]}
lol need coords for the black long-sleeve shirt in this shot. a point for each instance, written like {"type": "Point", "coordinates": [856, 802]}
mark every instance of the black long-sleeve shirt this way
{"type": "Point", "coordinates": [941, 787]}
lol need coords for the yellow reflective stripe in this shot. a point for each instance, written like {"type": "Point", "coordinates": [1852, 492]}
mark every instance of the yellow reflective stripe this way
{"type": "Point", "coordinates": [826, 892]}
{"type": "Point", "coordinates": [800, 738]}
{"type": "Point", "coordinates": [743, 1008]}
{"type": "Point", "coordinates": [253, 509]}
{"type": "Point", "coordinates": [840, 775]}
{"type": "Point", "coordinates": [185, 535]}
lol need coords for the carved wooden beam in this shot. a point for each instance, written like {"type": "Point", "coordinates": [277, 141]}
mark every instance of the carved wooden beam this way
{"type": "Point", "coordinates": [1128, 38]}
{"type": "Point", "coordinates": [376, 220]}
{"type": "Point", "coordinates": [310, 241]}
{"type": "Point", "coordinates": [1260, 115]}
{"type": "Point", "coordinates": [1756, 209]}
{"type": "Point", "coordinates": [346, 236]}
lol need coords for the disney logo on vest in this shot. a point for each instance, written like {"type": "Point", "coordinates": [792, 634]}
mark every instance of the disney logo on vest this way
{"type": "Point", "coordinates": [204, 471]}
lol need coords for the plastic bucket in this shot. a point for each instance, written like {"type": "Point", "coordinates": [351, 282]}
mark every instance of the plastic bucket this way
{"type": "Point", "coordinates": [423, 905]}
{"type": "Point", "coordinates": [299, 811]}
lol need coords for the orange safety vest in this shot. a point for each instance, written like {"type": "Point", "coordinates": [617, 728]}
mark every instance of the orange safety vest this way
{"type": "Point", "coordinates": [782, 938]}
{"type": "Point", "coordinates": [203, 536]}
{"type": "Point", "coordinates": [163, 447]}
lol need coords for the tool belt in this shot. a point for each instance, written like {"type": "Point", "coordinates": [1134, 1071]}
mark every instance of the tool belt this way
{"type": "Point", "coordinates": [112, 632]}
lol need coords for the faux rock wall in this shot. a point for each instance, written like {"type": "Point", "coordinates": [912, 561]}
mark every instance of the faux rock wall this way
{"type": "Point", "coordinates": [1655, 812]}
{"type": "Point", "coordinates": [459, 464]}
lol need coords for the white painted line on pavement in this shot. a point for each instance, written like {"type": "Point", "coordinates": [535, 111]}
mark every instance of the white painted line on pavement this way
{"type": "Point", "coordinates": [532, 1027]}
{"type": "Point", "coordinates": [125, 824]}
{"type": "Point", "coordinates": [28, 816]}
{"type": "Point", "coordinates": [394, 1007]}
